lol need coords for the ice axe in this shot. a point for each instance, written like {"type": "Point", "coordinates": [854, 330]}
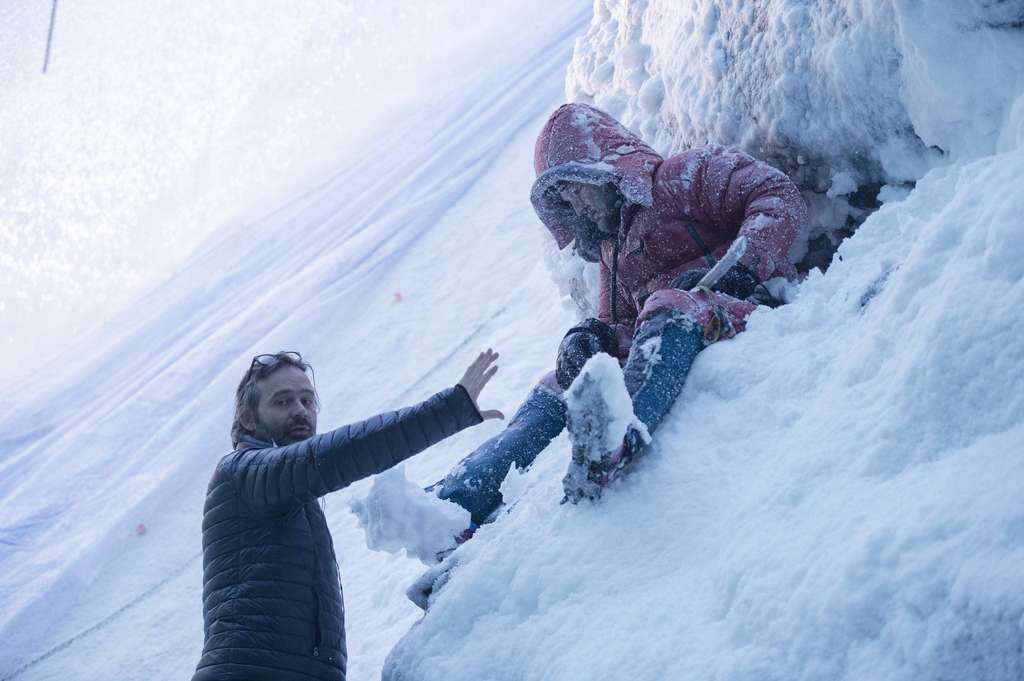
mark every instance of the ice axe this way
{"type": "Point", "coordinates": [731, 257]}
{"type": "Point", "coordinates": [719, 324]}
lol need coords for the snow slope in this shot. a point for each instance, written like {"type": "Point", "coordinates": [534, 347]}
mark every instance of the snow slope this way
{"type": "Point", "coordinates": [835, 496]}
{"type": "Point", "coordinates": [104, 440]}
{"type": "Point", "coordinates": [159, 123]}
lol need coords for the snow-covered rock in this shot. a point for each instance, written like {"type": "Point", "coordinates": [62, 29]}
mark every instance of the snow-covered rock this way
{"type": "Point", "coordinates": [848, 92]}
{"type": "Point", "coordinates": [843, 95]}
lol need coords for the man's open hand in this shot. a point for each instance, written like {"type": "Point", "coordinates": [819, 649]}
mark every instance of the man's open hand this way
{"type": "Point", "coordinates": [476, 377]}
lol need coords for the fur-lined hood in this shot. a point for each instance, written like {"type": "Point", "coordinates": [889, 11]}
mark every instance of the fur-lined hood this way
{"type": "Point", "coordinates": [582, 144]}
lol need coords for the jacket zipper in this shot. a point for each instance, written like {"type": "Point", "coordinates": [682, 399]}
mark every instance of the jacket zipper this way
{"type": "Point", "coordinates": [316, 619]}
{"type": "Point", "coordinates": [316, 598]}
{"type": "Point", "coordinates": [708, 257]}
{"type": "Point", "coordinates": [625, 217]}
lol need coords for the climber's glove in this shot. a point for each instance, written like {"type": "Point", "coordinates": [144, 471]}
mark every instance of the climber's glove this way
{"type": "Point", "coordinates": [738, 281]}
{"type": "Point", "coordinates": [580, 343]}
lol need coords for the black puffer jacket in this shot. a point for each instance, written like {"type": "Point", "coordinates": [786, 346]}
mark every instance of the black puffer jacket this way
{"type": "Point", "coordinates": [272, 606]}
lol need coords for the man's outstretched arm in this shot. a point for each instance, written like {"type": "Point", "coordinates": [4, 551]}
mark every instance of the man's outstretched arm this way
{"type": "Point", "coordinates": [273, 478]}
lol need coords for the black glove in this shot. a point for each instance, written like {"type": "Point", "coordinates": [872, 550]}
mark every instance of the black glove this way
{"type": "Point", "coordinates": [582, 342]}
{"type": "Point", "coordinates": [688, 279]}
{"type": "Point", "coordinates": [738, 281]}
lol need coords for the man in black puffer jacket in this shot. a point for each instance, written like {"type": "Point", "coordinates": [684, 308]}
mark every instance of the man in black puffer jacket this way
{"type": "Point", "coordinates": [272, 604]}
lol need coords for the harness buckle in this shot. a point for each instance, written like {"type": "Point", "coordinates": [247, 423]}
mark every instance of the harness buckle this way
{"type": "Point", "coordinates": [719, 326]}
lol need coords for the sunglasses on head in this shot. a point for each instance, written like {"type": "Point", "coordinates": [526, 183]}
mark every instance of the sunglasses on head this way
{"type": "Point", "coordinates": [269, 360]}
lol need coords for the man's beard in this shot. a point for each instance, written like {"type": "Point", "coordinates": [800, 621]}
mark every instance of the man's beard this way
{"type": "Point", "coordinates": [608, 221]}
{"type": "Point", "coordinates": [589, 250]}
{"type": "Point", "coordinates": [590, 234]}
{"type": "Point", "coordinates": [283, 435]}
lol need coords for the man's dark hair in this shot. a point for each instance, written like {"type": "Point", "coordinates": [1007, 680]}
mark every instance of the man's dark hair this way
{"type": "Point", "coordinates": [247, 396]}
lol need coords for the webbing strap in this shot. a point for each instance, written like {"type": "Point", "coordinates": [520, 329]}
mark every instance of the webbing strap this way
{"type": "Point", "coordinates": [708, 257]}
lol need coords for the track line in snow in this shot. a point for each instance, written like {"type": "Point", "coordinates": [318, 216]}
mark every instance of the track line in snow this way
{"type": "Point", "coordinates": [473, 335]}
{"type": "Point", "coordinates": [103, 623]}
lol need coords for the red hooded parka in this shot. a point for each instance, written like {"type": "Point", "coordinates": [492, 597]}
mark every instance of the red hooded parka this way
{"type": "Point", "coordinates": [681, 213]}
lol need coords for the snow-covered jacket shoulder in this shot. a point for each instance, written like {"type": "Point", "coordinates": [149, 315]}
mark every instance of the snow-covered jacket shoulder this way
{"type": "Point", "coordinates": [702, 200]}
{"type": "Point", "coordinates": [732, 194]}
{"type": "Point", "coordinates": [682, 212]}
{"type": "Point", "coordinates": [272, 602]}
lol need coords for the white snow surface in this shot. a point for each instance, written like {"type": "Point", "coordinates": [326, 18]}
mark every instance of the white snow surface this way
{"type": "Point", "coordinates": [835, 496]}
{"type": "Point", "coordinates": [390, 275]}
{"type": "Point", "coordinates": [601, 379]}
{"type": "Point", "coordinates": [161, 124]}
{"type": "Point", "coordinates": [397, 514]}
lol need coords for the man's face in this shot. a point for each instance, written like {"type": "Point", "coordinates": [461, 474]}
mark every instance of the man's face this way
{"type": "Point", "coordinates": [286, 412]}
{"type": "Point", "coordinates": [600, 204]}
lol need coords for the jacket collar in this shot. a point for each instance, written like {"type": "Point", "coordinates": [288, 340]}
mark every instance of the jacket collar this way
{"type": "Point", "coordinates": [252, 442]}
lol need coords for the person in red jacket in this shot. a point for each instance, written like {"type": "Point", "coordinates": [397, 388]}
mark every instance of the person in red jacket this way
{"type": "Point", "coordinates": [655, 226]}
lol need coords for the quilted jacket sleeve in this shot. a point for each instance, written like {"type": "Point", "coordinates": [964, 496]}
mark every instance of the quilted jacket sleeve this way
{"type": "Point", "coordinates": [272, 479]}
{"type": "Point", "coordinates": [732, 188]}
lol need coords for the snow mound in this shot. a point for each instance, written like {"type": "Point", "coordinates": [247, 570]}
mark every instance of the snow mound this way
{"type": "Point", "coordinates": [601, 381]}
{"type": "Point", "coordinates": [398, 514]}
{"type": "Point", "coordinates": [838, 94]}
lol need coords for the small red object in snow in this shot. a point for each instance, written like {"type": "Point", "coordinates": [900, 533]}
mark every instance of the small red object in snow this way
{"type": "Point", "coordinates": [398, 296]}
{"type": "Point", "coordinates": [140, 529]}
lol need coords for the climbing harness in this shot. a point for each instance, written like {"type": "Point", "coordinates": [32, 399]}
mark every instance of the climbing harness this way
{"type": "Point", "coordinates": [614, 283]}
{"type": "Point", "coordinates": [719, 326]}
{"type": "Point", "coordinates": [625, 215]}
